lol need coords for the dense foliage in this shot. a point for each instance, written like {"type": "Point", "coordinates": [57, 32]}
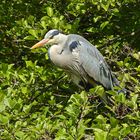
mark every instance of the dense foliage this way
{"type": "Point", "coordinates": [37, 100]}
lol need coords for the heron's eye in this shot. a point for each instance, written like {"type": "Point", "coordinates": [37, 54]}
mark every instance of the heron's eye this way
{"type": "Point", "coordinates": [51, 37]}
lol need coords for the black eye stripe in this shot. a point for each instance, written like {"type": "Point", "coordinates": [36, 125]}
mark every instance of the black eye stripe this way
{"type": "Point", "coordinates": [51, 37]}
{"type": "Point", "coordinates": [54, 33]}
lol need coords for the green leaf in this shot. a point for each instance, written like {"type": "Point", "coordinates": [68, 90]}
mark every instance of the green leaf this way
{"type": "Point", "coordinates": [32, 78]}
{"type": "Point", "coordinates": [9, 102]}
{"type": "Point", "coordinates": [73, 110]}
{"type": "Point", "coordinates": [100, 134]}
{"type": "Point", "coordinates": [22, 77]}
{"type": "Point", "coordinates": [120, 98]}
{"type": "Point", "coordinates": [2, 106]}
{"type": "Point", "coordinates": [33, 32]}
{"type": "Point", "coordinates": [136, 56]}
{"type": "Point", "coordinates": [95, 19]}
{"type": "Point", "coordinates": [30, 64]}
{"type": "Point", "coordinates": [113, 122]}
{"type": "Point", "coordinates": [46, 56]}
{"type": "Point", "coordinates": [115, 10]}
{"type": "Point", "coordinates": [105, 7]}
{"type": "Point", "coordinates": [2, 95]}
{"type": "Point", "coordinates": [4, 67]}
{"type": "Point", "coordinates": [114, 132]}
{"type": "Point", "coordinates": [43, 24]}
{"type": "Point", "coordinates": [138, 69]}
{"type": "Point", "coordinates": [4, 119]}
{"type": "Point", "coordinates": [27, 108]}
{"type": "Point", "coordinates": [120, 63]}
{"type": "Point", "coordinates": [55, 20]}
{"type": "Point", "coordinates": [104, 24]}
{"type": "Point", "coordinates": [20, 134]}
{"type": "Point", "coordinates": [24, 90]}
{"type": "Point", "coordinates": [100, 119]}
{"type": "Point", "coordinates": [134, 101]}
{"type": "Point", "coordinates": [49, 11]}
{"type": "Point", "coordinates": [29, 38]}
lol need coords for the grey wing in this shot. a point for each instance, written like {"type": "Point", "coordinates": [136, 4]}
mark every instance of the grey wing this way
{"type": "Point", "coordinates": [92, 62]}
{"type": "Point", "coordinates": [95, 66]}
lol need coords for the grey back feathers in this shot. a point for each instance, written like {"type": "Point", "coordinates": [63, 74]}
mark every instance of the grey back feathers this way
{"type": "Point", "coordinates": [92, 62]}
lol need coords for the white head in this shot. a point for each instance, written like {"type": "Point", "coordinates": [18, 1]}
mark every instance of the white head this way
{"type": "Point", "coordinates": [51, 37]}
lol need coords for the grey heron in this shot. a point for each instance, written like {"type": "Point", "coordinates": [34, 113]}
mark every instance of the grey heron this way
{"type": "Point", "coordinates": [81, 60]}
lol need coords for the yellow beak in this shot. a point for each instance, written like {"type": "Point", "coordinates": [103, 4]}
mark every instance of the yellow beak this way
{"type": "Point", "coordinates": [40, 43]}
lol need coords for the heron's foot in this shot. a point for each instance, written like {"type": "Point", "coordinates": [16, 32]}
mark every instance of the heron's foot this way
{"type": "Point", "coordinates": [123, 90]}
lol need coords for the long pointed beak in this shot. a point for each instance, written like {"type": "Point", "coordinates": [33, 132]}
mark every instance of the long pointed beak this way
{"type": "Point", "coordinates": [40, 43]}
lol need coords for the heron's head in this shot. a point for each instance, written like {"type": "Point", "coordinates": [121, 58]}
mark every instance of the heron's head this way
{"type": "Point", "coordinates": [52, 37]}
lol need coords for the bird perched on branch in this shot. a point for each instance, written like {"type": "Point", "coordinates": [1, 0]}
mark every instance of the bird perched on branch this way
{"type": "Point", "coordinates": [79, 59]}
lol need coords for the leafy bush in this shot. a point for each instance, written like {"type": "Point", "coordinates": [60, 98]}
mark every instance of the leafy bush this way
{"type": "Point", "coordinates": [37, 101]}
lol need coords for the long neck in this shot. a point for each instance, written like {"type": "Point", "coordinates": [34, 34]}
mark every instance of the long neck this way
{"type": "Point", "coordinates": [56, 51]}
{"type": "Point", "coordinates": [62, 40]}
